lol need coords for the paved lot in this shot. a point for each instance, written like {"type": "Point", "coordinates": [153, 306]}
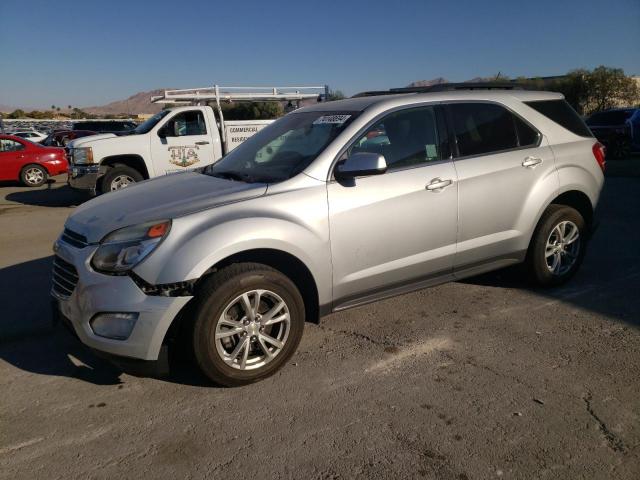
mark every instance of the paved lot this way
{"type": "Point", "coordinates": [478, 379]}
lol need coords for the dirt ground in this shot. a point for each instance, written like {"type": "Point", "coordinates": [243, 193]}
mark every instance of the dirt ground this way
{"type": "Point", "coordinates": [485, 378]}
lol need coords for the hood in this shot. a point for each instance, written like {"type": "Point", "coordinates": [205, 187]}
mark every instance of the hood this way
{"type": "Point", "coordinates": [162, 198]}
{"type": "Point", "coordinates": [79, 142]}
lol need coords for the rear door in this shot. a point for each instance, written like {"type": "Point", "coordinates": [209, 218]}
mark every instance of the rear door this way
{"type": "Point", "coordinates": [501, 160]}
{"type": "Point", "coordinates": [187, 143]}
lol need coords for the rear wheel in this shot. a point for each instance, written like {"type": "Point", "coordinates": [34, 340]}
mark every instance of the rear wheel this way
{"type": "Point", "coordinates": [249, 320]}
{"type": "Point", "coordinates": [557, 247]}
{"type": "Point", "coordinates": [620, 148]}
{"type": "Point", "coordinates": [119, 177]}
{"type": "Point", "coordinates": [33, 175]}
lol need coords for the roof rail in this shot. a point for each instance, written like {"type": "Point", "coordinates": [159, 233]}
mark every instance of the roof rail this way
{"type": "Point", "coordinates": [239, 94]}
{"type": "Point", "coordinates": [446, 87]}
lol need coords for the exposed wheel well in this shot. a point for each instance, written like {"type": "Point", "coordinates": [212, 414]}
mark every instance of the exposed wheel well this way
{"type": "Point", "coordinates": [134, 161]}
{"type": "Point", "coordinates": [579, 201]}
{"type": "Point", "coordinates": [286, 263]}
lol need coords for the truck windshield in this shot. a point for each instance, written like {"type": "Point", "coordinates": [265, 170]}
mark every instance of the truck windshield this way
{"type": "Point", "coordinates": [149, 123]}
{"type": "Point", "coordinates": [283, 149]}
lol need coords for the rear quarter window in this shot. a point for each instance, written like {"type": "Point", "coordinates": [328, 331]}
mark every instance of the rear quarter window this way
{"type": "Point", "coordinates": [561, 113]}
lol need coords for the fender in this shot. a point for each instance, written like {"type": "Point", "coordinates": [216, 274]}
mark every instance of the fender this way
{"type": "Point", "coordinates": [210, 236]}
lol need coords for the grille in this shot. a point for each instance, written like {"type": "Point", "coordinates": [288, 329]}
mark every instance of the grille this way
{"type": "Point", "coordinates": [74, 239]}
{"type": "Point", "coordinates": [65, 278]}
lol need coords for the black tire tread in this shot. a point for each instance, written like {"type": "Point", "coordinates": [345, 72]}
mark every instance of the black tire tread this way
{"type": "Point", "coordinates": [206, 291]}
{"type": "Point", "coordinates": [535, 272]}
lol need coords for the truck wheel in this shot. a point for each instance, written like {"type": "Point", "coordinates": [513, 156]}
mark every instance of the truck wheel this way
{"type": "Point", "coordinates": [248, 321]}
{"type": "Point", "coordinates": [557, 247]}
{"type": "Point", "coordinates": [119, 177]}
{"type": "Point", "coordinates": [33, 175]}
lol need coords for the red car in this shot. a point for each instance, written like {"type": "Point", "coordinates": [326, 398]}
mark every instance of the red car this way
{"type": "Point", "coordinates": [29, 162]}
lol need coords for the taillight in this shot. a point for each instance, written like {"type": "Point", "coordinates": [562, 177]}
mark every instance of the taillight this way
{"type": "Point", "coordinates": [599, 151]}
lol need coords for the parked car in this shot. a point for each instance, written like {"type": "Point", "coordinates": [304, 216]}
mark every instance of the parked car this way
{"type": "Point", "coordinates": [105, 126]}
{"type": "Point", "coordinates": [618, 130]}
{"type": "Point", "coordinates": [31, 135]}
{"type": "Point", "coordinates": [60, 138]}
{"type": "Point", "coordinates": [29, 162]}
{"type": "Point", "coordinates": [310, 217]}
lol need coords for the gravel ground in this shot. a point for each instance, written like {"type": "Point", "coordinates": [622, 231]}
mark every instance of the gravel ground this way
{"type": "Point", "coordinates": [484, 378]}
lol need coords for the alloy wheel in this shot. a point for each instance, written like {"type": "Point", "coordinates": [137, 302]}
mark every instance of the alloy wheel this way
{"type": "Point", "coordinates": [252, 329]}
{"type": "Point", "coordinates": [121, 181]}
{"type": "Point", "coordinates": [34, 176]}
{"type": "Point", "coordinates": [563, 247]}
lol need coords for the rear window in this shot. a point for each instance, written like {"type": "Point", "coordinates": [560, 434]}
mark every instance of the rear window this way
{"type": "Point", "coordinates": [561, 112]}
{"type": "Point", "coordinates": [616, 117]}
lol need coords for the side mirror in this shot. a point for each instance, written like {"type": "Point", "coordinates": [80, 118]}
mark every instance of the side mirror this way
{"type": "Point", "coordinates": [361, 164]}
{"type": "Point", "coordinates": [162, 132]}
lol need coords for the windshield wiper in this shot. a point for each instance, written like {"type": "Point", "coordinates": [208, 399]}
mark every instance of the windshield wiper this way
{"type": "Point", "coordinates": [228, 175]}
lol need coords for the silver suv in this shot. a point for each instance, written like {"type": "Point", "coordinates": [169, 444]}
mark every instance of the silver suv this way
{"type": "Point", "coordinates": [332, 206]}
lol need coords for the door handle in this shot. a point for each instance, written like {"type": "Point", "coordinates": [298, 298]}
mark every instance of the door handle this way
{"type": "Point", "coordinates": [202, 143]}
{"type": "Point", "coordinates": [531, 161]}
{"type": "Point", "coordinates": [438, 184]}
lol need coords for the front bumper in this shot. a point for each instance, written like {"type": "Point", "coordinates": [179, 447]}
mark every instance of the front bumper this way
{"type": "Point", "coordinates": [83, 177]}
{"type": "Point", "coordinates": [98, 293]}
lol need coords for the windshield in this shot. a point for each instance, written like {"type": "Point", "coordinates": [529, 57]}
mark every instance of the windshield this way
{"type": "Point", "coordinates": [148, 124]}
{"type": "Point", "coordinates": [283, 149]}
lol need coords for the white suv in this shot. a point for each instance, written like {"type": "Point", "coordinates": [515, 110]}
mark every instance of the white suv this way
{"type": "Point", "coordinates": [330, 207]}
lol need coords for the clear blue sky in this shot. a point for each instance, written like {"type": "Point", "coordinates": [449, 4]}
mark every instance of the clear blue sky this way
{"type": "Point", "coordinates": [88, 52]}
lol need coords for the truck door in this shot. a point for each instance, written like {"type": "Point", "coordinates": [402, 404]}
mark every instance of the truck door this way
{"type": "Point", "coordinates": [184, 142]}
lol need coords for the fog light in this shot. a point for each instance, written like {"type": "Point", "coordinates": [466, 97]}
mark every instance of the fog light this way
{"type": "Point", "coordinates": [117, 326]}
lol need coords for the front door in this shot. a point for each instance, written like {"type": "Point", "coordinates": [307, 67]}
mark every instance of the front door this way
{"type": "Point", "coordinates": [396, 229]}
{"type": "Point", "coordinates": [185, 143]}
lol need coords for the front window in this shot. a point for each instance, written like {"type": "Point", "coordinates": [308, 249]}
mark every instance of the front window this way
{"type": "Point", "coordinates": [284, 148]}
{"type": "Point", "coordinates": [186, 124]}
{"type": "Point", "coordinates": [407, 138]}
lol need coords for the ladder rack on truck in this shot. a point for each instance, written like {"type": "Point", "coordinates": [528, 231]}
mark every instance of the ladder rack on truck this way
{"type": "Point", "coordinates": [219, 95]}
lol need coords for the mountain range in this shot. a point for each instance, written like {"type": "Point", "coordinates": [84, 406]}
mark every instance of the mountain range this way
{"type": "Point", "coordinates": [140, 102]}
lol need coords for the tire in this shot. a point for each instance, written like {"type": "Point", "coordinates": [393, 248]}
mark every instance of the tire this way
{"type": "Point", "coordinates": [220, 311]}
{"type": "Point", "coordinates": [621, 148]}
{"type": "Point", "coordinates": [33, 176]}
{"type": "Point", "coordinates": [118, 177]}
{"type": "Point", "coordinates": [552, 259]}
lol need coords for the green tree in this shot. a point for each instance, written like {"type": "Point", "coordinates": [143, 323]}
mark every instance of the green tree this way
{"type": "Point", "coordinates": [609, 88]}
{"type": "Point", "coordinates": [252, 111]}
{"type": "Point", "coordinates": [17, 114]}
{"type": "Point", "coordinates": [53, 107]}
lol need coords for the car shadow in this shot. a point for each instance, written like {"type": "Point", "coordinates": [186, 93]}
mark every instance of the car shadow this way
{"type": "Point", "coordinates": [63, 196]}
{"type": "Point", "coordinates": [609, 279]}
{"type": "Point", "coordinates": [30, 341]}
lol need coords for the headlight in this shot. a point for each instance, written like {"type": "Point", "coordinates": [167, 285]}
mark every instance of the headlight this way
{"type": "Point", "coordinates": [82, 155]}
{"type": "Point", "coordinates": [123, 249]}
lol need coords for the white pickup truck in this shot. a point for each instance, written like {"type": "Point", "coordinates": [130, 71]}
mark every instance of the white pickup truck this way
{"type": "Point", "coordinates": [175, 139]}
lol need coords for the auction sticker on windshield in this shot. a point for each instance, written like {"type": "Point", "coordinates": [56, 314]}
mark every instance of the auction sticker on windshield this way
{"type": "Point", "coordinates": [333, 119]}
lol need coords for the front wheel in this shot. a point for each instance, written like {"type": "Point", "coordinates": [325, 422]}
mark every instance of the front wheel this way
{"type": "Point", "coordinates": [249, 320]}
{"type": "Point", "coordinates": [33, 175]}
{"type": "Point", "coordinates": [557, 247]}
{"type": "Point", "coordinates": [119, 177]}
